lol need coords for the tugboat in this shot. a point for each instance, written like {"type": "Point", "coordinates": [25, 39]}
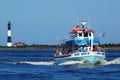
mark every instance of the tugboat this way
{"type": "Point", "coordinates": [81, 46]}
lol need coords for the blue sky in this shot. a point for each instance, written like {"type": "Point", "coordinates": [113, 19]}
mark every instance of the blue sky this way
{"type": "Point", "coordinates": [40, 21]}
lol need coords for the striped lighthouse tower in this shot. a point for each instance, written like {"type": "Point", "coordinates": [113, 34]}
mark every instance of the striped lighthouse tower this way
{"type": "Point", "coordinates": [9, 41]}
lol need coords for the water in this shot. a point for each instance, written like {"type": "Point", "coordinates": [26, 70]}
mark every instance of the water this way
{"type": "Point", "coordinates": [39, 65]}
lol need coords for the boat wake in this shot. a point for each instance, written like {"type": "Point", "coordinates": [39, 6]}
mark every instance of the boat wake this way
{"type": "Point", "coordinates": [36, 63]}
{"type": "Point", "coordinates": [85, 63]}
{"type": "Point", "coordinates": [72, 63]}
{"type": "Point", "coordinates": [115, 61]}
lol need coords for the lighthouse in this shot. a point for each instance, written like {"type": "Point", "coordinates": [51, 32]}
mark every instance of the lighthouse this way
{"type": "Point", "coordinates": [9, 41]}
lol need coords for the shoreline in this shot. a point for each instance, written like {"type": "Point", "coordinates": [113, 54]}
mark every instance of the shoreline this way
{"type": "Point", "coordinates": [34, 48]}
{"type": "Point", "coordinates": [112, 48]}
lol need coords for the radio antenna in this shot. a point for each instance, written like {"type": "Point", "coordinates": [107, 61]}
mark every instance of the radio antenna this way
{"type": "Point", "coordinates": [77, 20]}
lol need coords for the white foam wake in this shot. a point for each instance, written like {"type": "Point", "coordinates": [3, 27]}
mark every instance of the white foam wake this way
{"type": "Point", "coordinates": [103, 62]}
{"type": "Point", "coordinates": [72, 62]}
{"type": "Point", "coordinates": [115, 61]}
{"type": "Point", "coordinates": [37, 63]}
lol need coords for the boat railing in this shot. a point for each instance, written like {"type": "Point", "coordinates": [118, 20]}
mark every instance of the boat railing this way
{"type": "Point", "coordinates": [89, 53]}
{"type": "Point", "coordinates": [82, 53]}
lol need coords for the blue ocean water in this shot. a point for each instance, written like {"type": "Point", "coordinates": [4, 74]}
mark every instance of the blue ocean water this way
{"type": "Point", "coordinates": [39, 65]}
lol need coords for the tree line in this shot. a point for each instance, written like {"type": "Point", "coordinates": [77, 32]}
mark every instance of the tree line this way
{"type": "Point", "coordinates": [110, 45]}
{"type": "Point", "coordinates": [42, 46]}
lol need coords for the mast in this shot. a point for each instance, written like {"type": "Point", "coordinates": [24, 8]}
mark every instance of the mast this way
{"type": "Point", "coordinates": [83, 23]}
{"type": "Point", "coordinates": [77, 20]}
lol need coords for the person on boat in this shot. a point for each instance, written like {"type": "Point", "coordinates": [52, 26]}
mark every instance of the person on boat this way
{"type": "Point", "coordinates": [99, 49]}
{"type": "Point", "coordinates": [85, 48]}
{"type": "Point", "coordinates": [60, 53]}
{"type": "Point", "coordinates": [65, 51]}
{"type": "Point", "coordinates": [95, 48]}
{"type": "Point", "coordinates": [76, 48]}
{"type": "Point", "coordinates": [70, 49]}
{"type": "Point", "coordinates": [88, 48]}
{"type": "Point", "coordinates": [57, 52]}
{"type": "Point", "coordinates": [81, 49]}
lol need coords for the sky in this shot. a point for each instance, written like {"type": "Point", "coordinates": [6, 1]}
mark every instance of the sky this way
{"type": "Point", "coordinates": [41, 21]}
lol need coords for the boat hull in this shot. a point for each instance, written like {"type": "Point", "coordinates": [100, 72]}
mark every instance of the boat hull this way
{"type": "Point", "coordinates": [89, 58]}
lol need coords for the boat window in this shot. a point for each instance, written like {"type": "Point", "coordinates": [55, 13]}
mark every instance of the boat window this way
{"type": "Point", "coordinates": [75, 35]}
{"type": "Point", "coordinates": [89, 34]}
{"type": "Point", "coordinates": [80, 35]}
{"type": "Point", "coordinates": [85, 34]}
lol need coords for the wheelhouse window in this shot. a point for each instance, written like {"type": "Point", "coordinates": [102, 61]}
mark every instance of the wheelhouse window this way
{"type": "Point", "coordinates": [90, 34]}
{"type": "Point", "coordinates": [80, 34]}
{"type": "Point", "coordinates": [85, 34]}
{"type": "Point", "coordinates": [75, 35]}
